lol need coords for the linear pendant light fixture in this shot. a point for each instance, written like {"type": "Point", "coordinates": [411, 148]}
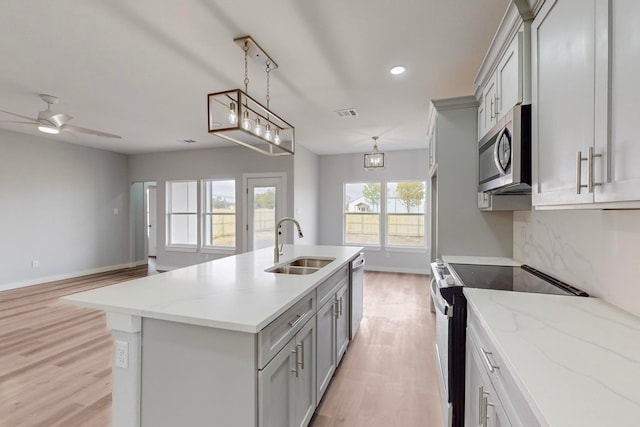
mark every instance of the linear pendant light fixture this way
{"type": "Point", "coordinates": [375, 159]}
{"type": "Point", "coordinates": [237, 117]}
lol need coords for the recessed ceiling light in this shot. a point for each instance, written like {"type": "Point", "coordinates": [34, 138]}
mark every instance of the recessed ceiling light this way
{"type": "Point", "coordinates": [398, 69]}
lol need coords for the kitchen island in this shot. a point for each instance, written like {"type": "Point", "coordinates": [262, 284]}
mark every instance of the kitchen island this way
{"type": "Point", "coordinates": [223, 342]}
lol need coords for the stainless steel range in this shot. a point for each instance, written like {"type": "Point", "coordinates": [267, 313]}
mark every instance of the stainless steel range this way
{"type": "Point", "coordinates": [451, 317]}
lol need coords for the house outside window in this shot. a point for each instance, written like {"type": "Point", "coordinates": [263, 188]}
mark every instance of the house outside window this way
{"type": "Point", "coordinates": [405, 205]}
{"type": "Point", "coordinates": [182, 214]}
{"type": "Point", "coordinates": [362, 213]}
{"type": "Point", "coordinates": [401, 204]}
{"type": "Point", "coordinates": [219, 214]}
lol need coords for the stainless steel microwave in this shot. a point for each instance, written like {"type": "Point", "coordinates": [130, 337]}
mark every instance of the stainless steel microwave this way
{"type": "Point", "coordinates": [504, 154]}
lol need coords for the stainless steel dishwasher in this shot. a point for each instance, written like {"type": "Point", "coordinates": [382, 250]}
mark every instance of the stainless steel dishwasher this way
{"type": "Point", "coordinates": [357, 283]}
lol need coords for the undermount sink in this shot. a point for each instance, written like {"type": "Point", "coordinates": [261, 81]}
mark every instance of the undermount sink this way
{"type": "Point", "coordinates": [292, 269]}
{"type": "Point", "coordinates": [302, 265]}
{"type": "Point", "coordinates": [310, 262]}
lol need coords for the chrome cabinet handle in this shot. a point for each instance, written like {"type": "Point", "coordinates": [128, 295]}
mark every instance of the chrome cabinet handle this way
{"type": "Point", "coordinates": [485, 403]}
{"type": "Point", "coordinates": [491, 110]}
{"type": "Point", "coordinates": [579, 160]}
{"type": "Point", "coordinates": [496, 106]}
{"type": "Point", "coordinates": [335, 309]}
{"type": "Point", "coordinates": [295, 364]}
{"type": "Point", "coordinates": [480, 404]}
{"type": "Point", "coordinates": [300, 362]}
{"type": "Point", "coordinates": [299, 318]}
{"type": "Point", "coordinates": [487, 361]}
{"type": "Point", "coordinates": [340, 307]}
{"type": "Point", "coordinates": [590, 156]}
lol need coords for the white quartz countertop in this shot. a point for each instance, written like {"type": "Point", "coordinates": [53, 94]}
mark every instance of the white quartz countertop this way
{"type": "Point", "coordinates": [482, 260]}
{"type": "Point", "coordinates": [577, 360]}
{"type": "Point", "coordinates": [233, 293]}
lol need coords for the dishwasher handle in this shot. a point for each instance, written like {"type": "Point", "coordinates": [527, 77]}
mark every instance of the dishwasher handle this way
{"type": "Point", "coordinates": [358, 263]}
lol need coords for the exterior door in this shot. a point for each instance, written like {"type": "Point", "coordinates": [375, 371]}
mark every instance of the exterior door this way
{"type": "Point", "coordinates": [265, 205]}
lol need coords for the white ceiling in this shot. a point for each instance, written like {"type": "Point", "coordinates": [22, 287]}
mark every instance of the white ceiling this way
{"type": "Point", "coordinates": [142, 68]}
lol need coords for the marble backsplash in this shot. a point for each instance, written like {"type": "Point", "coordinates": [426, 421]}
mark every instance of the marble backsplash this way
{"type": "Point", "coordinates": [595, 250]}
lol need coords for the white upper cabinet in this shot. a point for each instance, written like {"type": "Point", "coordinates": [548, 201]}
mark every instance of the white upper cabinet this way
{"type": "Point", "coordinates": [563, 80]}
{"type": "Point", "coordinates": [620, 147]}
{"type": "Point", "coordinates": [585, 97]}
{"type": "Point", "coordinates": [503, 79]}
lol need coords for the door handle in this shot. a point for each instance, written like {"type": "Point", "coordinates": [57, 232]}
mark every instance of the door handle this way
{"type": "Point", "coordinates": [295, 363]}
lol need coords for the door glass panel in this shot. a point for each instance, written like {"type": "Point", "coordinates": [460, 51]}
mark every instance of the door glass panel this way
{"type": "Point", "coordinates": [264, 216]}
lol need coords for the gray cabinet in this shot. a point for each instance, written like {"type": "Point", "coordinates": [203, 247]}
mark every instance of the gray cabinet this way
{"type": "Point", "coordinates": [287, 390]}
{"type": "Point", "coordinates": [585, 104]}
{"type": "Point", "coordinates": [342, 322]}
{"type": "Point", "coordinates": [482, 405]}
{"type": "Point", "coordinates": [326, 347]}
{"type": "Point", "coordinates": [333, 329]}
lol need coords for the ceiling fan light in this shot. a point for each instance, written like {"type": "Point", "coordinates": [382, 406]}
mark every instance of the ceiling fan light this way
{"type": "Point", "coordinates": [49, 129]}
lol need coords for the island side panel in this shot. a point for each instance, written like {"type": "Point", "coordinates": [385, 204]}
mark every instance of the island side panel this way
{"type": "Point", "coordinates": [195, 375]}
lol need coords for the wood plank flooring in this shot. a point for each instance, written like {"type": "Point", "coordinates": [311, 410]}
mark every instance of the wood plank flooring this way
{"type": "Point", "coordinates": [55, 360]}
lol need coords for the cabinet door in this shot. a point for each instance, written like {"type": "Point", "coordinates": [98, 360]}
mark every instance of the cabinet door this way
{"type": "Point", "coordinates": [489, 95]}
{"type": "Point", "coordinates": [276, 381]}
{"type": "Point", "coordinates": [620, 149]}
{"type": "Point", "coordinates": [509, 77]}
{"type": "Point", "coordinates": [326, 347]}
{"type": "Point", "coordinates": [482, 129]}
{"type": "Point", "coordinates": [482, 406]}
{"type": "Point", "coordinates": [563, 58]}
{"type": "Point", "coordinates": [305, 392]}
{"type": "Point", "coordinates": [342, 322]}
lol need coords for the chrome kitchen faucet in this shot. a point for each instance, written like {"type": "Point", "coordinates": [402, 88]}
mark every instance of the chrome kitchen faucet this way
{"type": "Point", "coordinates": [277, 251]}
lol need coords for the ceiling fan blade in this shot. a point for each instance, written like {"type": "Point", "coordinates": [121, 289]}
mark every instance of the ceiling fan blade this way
{"type": "Point", "coordinates": [73, 128]}
{"type": "Point", "coordinates": [17, 121]}
{"type": "Point", "coordinates": [31, 119]}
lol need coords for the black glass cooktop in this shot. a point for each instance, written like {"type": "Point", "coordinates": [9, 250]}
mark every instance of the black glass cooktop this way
{"type": "Point", "coordinates": [507, 278]}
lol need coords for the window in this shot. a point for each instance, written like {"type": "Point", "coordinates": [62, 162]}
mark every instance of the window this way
{"type": "Point", "coordinates": [405, 214]}
{"type": "Point", "coordinates": [219, 214]}
{"type": "Point", "coordinates": [182, 214]}
{"type": "Point", "coordinates": [362, 213]}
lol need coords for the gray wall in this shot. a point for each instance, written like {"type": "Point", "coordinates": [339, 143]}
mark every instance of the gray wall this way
{"type": "Point", "coordinates": [462, 228]}
{"type": "Point", "coordinates": [213, 163]}
{"type": "Point", "coordinates": [306, 188]}
{"type": "Point", "coordinates": [335, 170]}
{"type": "Point", "coordinates": [57, 204]}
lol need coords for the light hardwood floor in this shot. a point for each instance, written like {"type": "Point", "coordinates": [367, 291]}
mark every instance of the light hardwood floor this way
{"type": "Point", "coordinates": [55, 360]}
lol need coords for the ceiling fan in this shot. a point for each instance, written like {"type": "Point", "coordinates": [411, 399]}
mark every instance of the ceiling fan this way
{"type": "Point", "coordinates": [53, 123]}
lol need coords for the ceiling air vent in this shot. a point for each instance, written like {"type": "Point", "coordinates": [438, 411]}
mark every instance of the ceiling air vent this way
{"type": "Point", "coordinates": [187, 141]}
{"type": "Point", "coordinates": [347, 112]}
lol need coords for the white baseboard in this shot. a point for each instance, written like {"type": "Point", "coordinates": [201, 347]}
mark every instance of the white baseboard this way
{"type": "Point", "coordinates": [424, 271]}
{"type": "Point", "coordinates": [46, 279]}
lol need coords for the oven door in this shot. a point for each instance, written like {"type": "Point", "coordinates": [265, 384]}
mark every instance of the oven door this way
{"type": "Point", "coordinates": [442, 309]}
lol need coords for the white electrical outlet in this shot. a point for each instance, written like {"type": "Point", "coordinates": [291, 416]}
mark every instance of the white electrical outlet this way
{"type": "Point", "coordinates": [35, 263]}
{"type": "Point", "coordinates": [122, 354]}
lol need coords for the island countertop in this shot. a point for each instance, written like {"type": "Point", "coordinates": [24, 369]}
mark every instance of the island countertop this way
{"type": "Point", "coordinates": [233, 293]}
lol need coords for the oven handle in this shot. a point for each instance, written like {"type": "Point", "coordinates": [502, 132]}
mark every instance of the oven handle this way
{"type": "Point", "coordinates": [439, 302]}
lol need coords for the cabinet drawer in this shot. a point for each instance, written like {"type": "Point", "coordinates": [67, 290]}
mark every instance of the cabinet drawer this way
{"type": "Point", "coordinates": [330, 286]}
{"type": "Point", "coordinates": [516, 407]}
{"type": "Point", "coordinates": [277, 333]}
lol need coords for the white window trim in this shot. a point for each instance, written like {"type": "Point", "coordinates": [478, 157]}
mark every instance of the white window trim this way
{"type": "Point", "coordinates": [215, 249]}
{"type": "Point", "coordinates": [180, 247]}
{"type": "Point", "coordinates": [384, 244]}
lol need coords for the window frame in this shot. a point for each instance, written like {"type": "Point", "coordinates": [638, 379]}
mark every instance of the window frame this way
{"type": "Point", "coordinates": [179, 247]}
{"type": "Point", "coordinates": [380, 244]}
{"type": "Point", "coordinates": [216, 249]}
{"type": "Point", "coordinates": [383, 215]}
{"type": "Point", "coordinates": [401, 248]}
